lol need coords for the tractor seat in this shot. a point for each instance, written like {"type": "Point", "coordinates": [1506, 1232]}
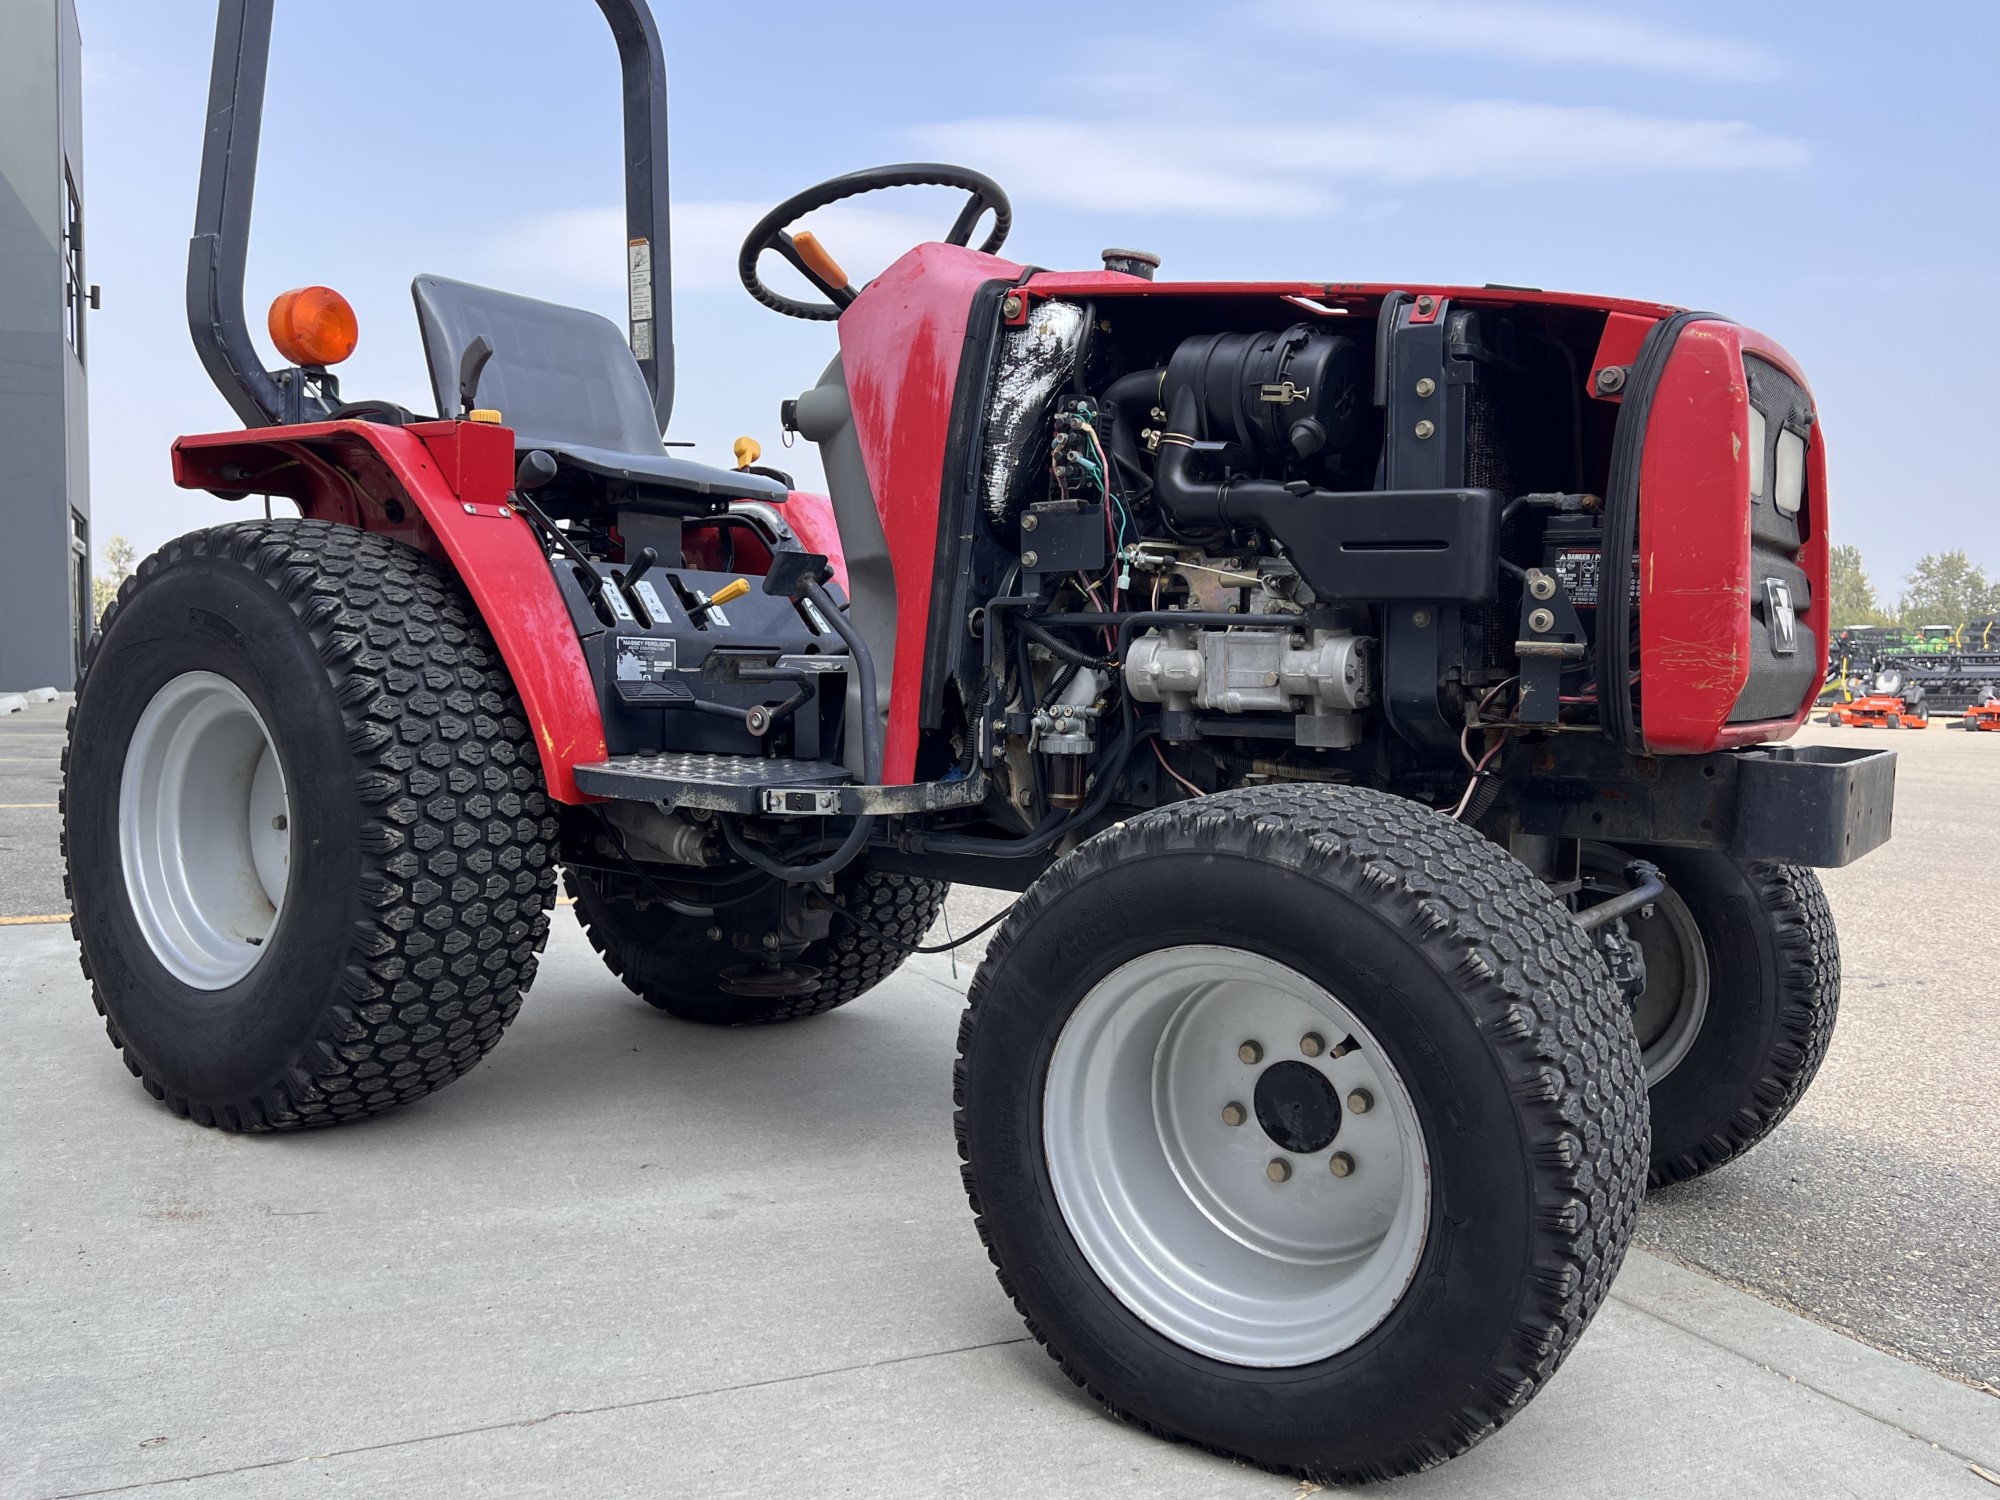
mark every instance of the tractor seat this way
{"type": "Point", "coordinates": [566, 382]}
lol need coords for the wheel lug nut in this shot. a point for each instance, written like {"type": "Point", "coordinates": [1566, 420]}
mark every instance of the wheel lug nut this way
{"type": "Point", "coordinates": [1360, 1101]}
{"type": "Point", "coordinates": [1250, 1052]}
{"type": "Point", "coordinates": [1234, 1114]}
{"type": "Point", "coordinates": [280, 823]}
{"type": "Point", "coordinates": [1340, 1164]}
{"type": "Point", "coordinates": [1312, 1044]}
{"type": "Point", "coordinates": [1279, 1170]}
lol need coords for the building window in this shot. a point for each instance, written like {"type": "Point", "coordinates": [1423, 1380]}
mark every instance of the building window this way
{"type": "Point", "coordinates": [83, 605]}
{"type": "Point", "coordinates": [74, 291]}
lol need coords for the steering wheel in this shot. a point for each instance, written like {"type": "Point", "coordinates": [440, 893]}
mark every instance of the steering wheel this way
{"type": "Point", "coordinates": [813, 262]}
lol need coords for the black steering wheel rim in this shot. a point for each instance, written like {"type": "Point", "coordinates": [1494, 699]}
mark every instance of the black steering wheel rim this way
{"type": "Point", "coordinates": [769, 233]}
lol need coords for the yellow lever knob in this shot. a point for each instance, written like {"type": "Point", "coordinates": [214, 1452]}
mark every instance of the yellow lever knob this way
{"type": "Point", "coordinates": [748, 451]}
{"type": "Point", "coordinates": [730, 592]}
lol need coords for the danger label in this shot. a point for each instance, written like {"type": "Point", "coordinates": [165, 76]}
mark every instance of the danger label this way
{"type": "Point", "coordinates": [639, 273]}
{"type": "Point", "coordinates": [1582, 575]}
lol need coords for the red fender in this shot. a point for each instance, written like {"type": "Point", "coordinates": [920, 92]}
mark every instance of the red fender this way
{"type": "Point", "coordinates": [443, 488]}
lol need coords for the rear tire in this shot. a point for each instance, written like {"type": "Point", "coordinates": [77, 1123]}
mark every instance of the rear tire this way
{"type": "Point", "coordinates": [1311, 1334]}
{"type": "Point", "coordinates": [1770, 964]}
{"type": "Point", "coordinates": [669, 961]}
{"type": "Point", "coordinates": [404, 885]}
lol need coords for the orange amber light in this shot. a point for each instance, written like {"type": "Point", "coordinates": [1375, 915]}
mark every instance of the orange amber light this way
{"type": "Point", "coordinates": [313, 325]}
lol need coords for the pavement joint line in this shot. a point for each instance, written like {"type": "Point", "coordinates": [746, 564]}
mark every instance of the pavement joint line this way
{"type": "Point", "coordinates": [1799, 1380]}
{"type": "Point", "coordinates": [954, 990]}
{"type": "Point", "coordinates": [42, 921]}
{"type": "Point", "coordinates": [1808, 1315]}
{"type": "Point", "coordinates": [17, 806]}
{"type": "Point", "coordinates": [518, 1422]}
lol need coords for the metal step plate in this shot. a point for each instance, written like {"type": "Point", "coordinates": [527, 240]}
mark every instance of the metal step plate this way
{"type": "Point", "coordinates": [758, 784]}
{"type": "Point", "coordinates": [718, 783]}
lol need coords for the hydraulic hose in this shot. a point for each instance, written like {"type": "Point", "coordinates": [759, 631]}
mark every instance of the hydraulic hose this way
{"type": "Point", "coordinates": [840, 859]}
{"type": "Point", "coordinates": [864, 672]}
{"type": "Point", "coordinates": [1129, 399]}
{"type": "Point", "coordinates": [1049, 830]}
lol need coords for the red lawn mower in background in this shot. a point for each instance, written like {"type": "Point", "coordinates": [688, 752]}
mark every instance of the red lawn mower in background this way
{"type": "Point", "coordinates": [1377, 693]}
{"type": "Point", "coordinates": [1984, 711]}
{"type": "Point", "coordinates": [1890, 703]}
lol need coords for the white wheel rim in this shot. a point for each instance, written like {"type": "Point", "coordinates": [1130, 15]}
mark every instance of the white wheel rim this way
{"type": "Point", "coordinates": [204, 830]}
{"type": "Point", "coordinates": [1176, 1210]}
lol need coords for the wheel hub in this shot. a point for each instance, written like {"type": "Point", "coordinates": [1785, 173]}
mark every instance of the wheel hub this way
{"type": "Point", "coordinates": [1672, 961]}
{"type": "Point", "coordinates": [1254, 1244]}
{"type": "Point", "coordinates": [1297, 1106]}
{"type": "Point", "coordinates": [204, 830]}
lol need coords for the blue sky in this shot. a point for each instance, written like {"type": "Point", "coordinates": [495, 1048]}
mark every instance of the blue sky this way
{"type": "Point", "coordinates": [1825, 173]}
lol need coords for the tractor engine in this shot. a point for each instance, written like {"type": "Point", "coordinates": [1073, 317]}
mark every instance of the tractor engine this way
{"type": "Point", "coordinates": [1273, 528]}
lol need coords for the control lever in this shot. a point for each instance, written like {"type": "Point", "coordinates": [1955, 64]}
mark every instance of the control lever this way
{"type": "Point", "coordinates": [645, 560]}
{"type": "Point", "coordinates": [535, 470]}
{"type": "Point", "coordinates": [471, 365]}
{"type": "Point", "coordinates": [644, 597]}
{"type": "Point", "coordinates": [706, 604]}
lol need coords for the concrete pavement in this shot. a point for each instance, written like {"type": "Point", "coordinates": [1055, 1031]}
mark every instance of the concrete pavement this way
{"type": "Point", "coordinates": [628, 1256]}
{"type": "Point", "coordinates": [31, 741]}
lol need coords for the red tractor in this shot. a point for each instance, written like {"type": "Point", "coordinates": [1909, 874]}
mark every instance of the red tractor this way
{"type": "Point", "coordinates": [1377, 693]}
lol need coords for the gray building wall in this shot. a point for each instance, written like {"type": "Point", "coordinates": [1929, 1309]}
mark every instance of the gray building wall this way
{"type": "Point", "coordinates": [44, 349]}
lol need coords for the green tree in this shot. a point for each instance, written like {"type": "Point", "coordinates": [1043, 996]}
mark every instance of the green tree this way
{"type": "Point", "coordinates": [1854, 601]}
{"type": "Point", "coordinates": [119, 556]}
{"type": "Point", "coordinates": [1946, 589]}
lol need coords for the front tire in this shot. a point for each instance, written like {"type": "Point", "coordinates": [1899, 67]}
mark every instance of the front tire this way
{"type": "Point", "coordinates": [309, 854]}
{"type": "Point", "coordinates": [1743, 985]}
{"type": "Point", "coordinates": [1209, 1266]}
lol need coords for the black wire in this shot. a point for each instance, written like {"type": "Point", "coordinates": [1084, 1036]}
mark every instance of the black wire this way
{"type": "Point", "coordinates": [1061, 648]}
{"type": "Point", "coordinates": [1063, 679]}
{"type": "Point", "coordinates": [852, 845]}
{"type": "Point", "coordinates": [868, 926]}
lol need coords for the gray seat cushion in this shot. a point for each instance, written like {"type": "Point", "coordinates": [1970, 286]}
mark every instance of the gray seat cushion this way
{"type": "Point", "coordinates": [566, 382]}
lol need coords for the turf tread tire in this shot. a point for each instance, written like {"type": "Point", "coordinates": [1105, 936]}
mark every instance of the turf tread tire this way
{"type": "Point", "coordinates": [666, 960]}
{"type": "Point", "coordinates": [457, 869]}
{"type": "Point", "coordinates": [1791, 906]}
{"type": "Point", "coordinates": [1530, 981]}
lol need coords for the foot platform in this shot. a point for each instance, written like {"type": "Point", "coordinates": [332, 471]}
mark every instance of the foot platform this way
{"type": "Point", "coordinates": [766, 785]}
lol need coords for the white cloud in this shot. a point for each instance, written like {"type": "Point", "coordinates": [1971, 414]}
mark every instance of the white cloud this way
{"type": "Point", "coordinates": [585, 247]}
{"type": "Point", "coordinates": [1528, 30]}
{"type": "Point", "coordinates": [1422, 140]}
{"type": "Point", "coordinates": [1229, 166]}
{"type": "Point", "coordinates": [1088, 164]}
